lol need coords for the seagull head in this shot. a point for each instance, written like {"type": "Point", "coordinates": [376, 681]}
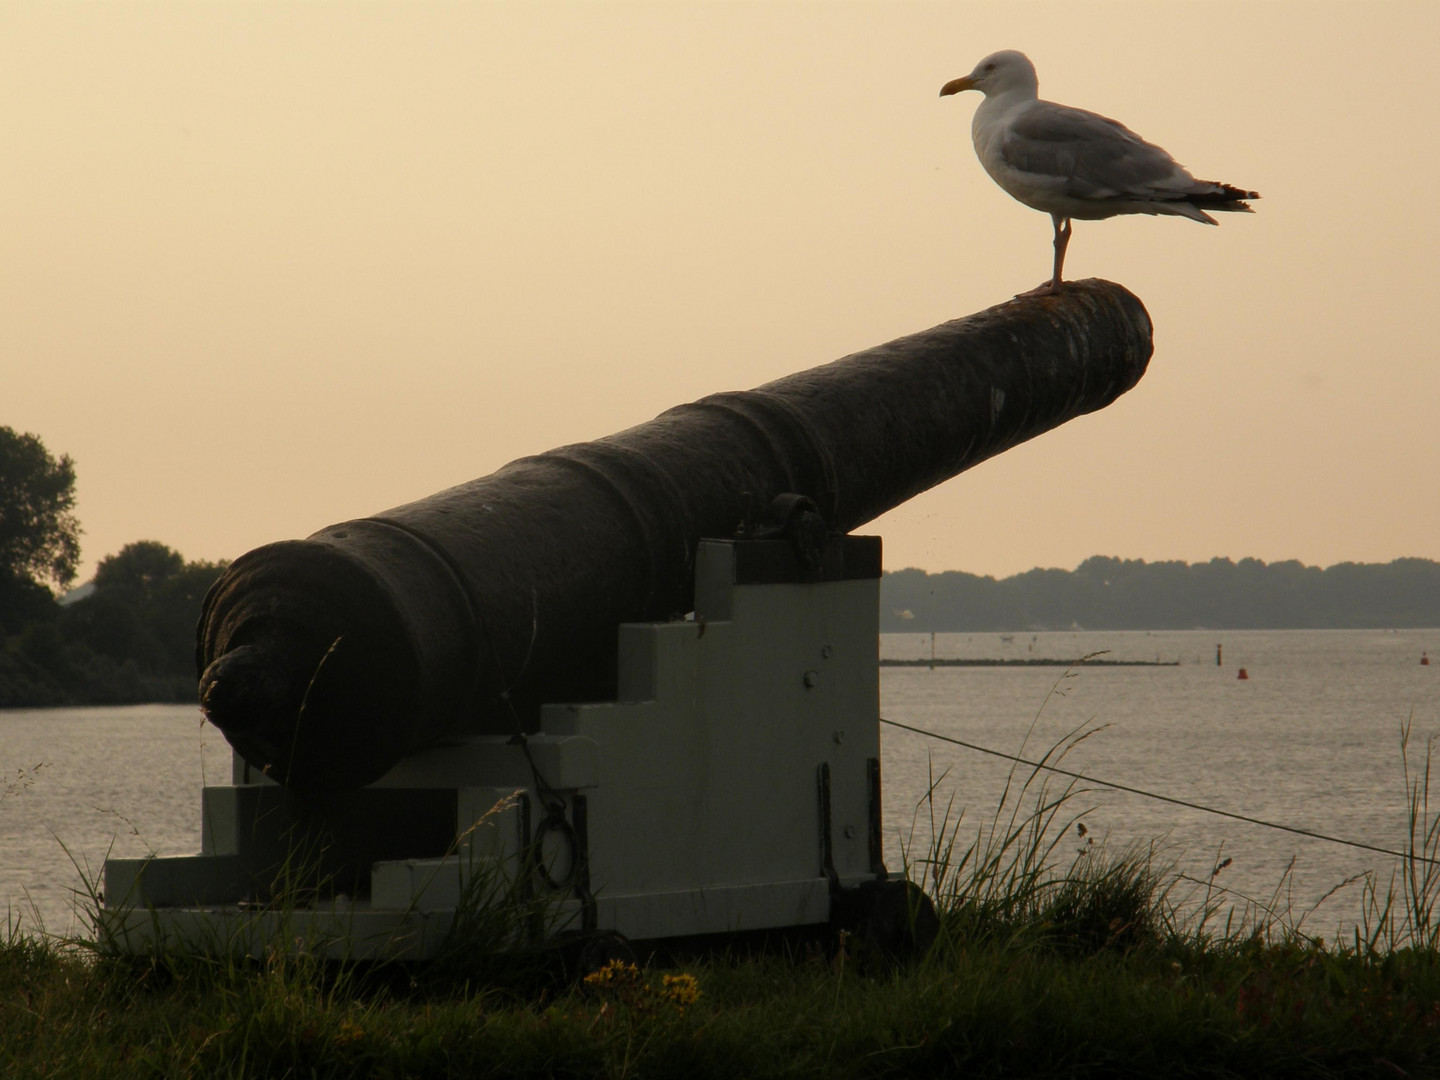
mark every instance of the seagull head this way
{"type": "Point", "coordinates": [998, 73]}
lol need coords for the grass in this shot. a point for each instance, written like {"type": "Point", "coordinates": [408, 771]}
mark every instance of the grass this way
{"type": "Point", "coordinates": [989, 1007]}
{"type": "Point", "coordinates": [1057, 957]}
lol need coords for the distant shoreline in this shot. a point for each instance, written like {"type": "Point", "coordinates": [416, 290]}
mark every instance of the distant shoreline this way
{"type": "Point", "coordinates": [987, 662]}
{"type": "Point", "coordinates": [1114, 594]}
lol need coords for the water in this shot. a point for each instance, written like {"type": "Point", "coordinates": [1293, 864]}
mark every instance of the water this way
{"type": "Point", "coordinates": [1311, 739]}
{"type": "Point", "coordinates": [123, 781]}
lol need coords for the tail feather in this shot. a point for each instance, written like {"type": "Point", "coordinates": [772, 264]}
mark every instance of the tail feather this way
{"type": "Point", "coordinates": [1222, 197]}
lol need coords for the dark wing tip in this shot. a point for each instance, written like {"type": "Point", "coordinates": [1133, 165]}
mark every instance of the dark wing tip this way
{"type": "Point", "coordinates": [1224, 197]}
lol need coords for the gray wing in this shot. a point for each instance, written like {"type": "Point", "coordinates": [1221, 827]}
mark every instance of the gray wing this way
{"type": "Point", "coordinates": [1089, 156]}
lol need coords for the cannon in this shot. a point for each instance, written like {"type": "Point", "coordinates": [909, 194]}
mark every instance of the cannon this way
{"type": "Point", "coordinates": [637, 677]}
{"type": "Point", "coordinates": [325, 661]}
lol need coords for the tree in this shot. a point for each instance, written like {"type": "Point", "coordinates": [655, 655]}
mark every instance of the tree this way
{"type": "Point", "coordinates": [144, 607]}
{"type": "Point", "coordinates": [139, 570]}
{"type": "Point", "coordinates": [39, 534]}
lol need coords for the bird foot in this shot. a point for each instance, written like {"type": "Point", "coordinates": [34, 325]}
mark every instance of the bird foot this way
{"type": "Point", "coordinates": [1040, 290]}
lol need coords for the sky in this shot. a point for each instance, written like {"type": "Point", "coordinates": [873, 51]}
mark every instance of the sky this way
{"type": "Point", "coordinates": [265, 267]}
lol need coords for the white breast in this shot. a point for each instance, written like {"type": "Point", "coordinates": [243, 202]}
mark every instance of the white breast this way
{"type": "Point", "coordinates": [988, 131]}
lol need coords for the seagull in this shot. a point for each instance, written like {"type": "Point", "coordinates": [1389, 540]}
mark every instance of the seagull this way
{"type": "Point", "coordinates": [1076, 164]}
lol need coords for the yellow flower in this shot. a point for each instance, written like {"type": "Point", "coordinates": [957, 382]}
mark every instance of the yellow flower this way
{"type": "Point", "coordinates": [682, 990]}
{"type": "Point", "coordinates": [613, 973]}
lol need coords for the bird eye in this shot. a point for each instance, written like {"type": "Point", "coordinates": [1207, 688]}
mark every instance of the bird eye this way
{"type": "Point", "coordinates": [989, 67]}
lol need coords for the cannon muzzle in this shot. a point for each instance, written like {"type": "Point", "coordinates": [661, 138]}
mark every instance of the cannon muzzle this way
{"type": "Point", "coordinates": [326, 660]}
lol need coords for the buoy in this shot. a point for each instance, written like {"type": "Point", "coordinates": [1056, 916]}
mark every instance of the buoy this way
{"type": "Point", "coordinates": [1424, 657]}
{"type": "Point", "coordinates": [1243, 674]}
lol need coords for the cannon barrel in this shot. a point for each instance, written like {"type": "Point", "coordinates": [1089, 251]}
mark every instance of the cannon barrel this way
{"type": "Point", "coordinates": [326, 660]}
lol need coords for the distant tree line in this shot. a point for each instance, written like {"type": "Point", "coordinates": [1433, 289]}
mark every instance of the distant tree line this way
{"type": "Point", "coordinates": [1131, 594]}
{"type": "Point", "coordinates": [130, 639]}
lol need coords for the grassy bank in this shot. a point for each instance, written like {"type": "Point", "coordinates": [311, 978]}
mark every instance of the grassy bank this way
{"type": "Point", "coordinates": [989, 1009]}
{"type": "Point", "coordinates": [1025, 1001]}
{"type": "Point", "coordinates": [1056, 957]}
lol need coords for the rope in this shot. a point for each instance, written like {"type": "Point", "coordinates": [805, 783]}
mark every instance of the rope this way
{"type": "Point", "coordinates": [1410, 856]}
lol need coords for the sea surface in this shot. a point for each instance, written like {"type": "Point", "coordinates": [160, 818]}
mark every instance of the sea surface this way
{"type": "Point", "coordinates": [1311, 739]}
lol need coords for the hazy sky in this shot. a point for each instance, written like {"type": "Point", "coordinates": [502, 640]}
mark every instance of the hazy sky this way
{"type": "Point", "coordinates": [264, 267]}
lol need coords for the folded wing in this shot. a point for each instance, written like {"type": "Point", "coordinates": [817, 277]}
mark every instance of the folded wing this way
{"type": "Point", "coordinates": [1085, 156]}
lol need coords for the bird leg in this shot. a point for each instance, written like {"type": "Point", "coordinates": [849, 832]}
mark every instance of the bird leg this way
{"type": "Point", "coordinates": [1062, 241]}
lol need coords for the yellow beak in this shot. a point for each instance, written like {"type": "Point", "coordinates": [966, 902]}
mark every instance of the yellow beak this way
{"type": "Point", "coordinates": [954, 86]}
